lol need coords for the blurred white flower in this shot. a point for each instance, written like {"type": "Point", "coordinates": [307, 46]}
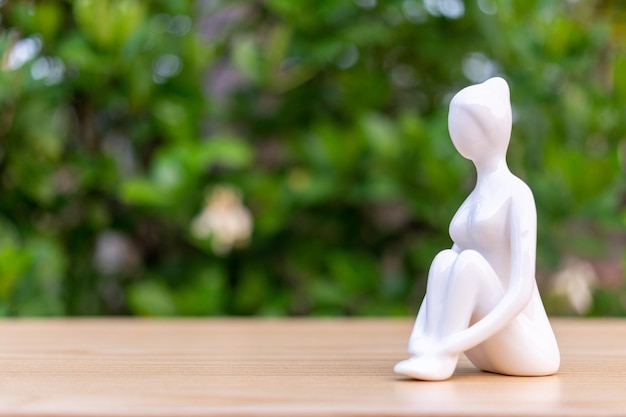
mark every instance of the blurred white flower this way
{"type": "Point", "coordinates": [21, 52]}
{"type": "Point", "coordinates": [115, 253]}
{"type": "Point", "coordinates": [225, 219]}
{"type": "Point", "coordinates": [575, 282]}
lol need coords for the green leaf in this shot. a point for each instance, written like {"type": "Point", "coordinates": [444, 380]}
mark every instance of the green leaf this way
{"type": "Point", "coordinates": [14, 262]}
{"type": "Point", "coordinates": [94, 18]}
{"type": "Point", "coordinates": [619, 81]}
{"type": "Point", "coordinates": [227, 151]}
{"type": "Point", "coordinates": [247, 58]}
{"type": "Point", "coordinates": [140, 191]}
{"type": "Point", "coordinates": [206, 295]}
{"type": "Point", "coordinates": [151, 298]}
{"type": "Point", "coordinates": [381, 135]}
{"type": "Point", "coordinates": [174, 117]}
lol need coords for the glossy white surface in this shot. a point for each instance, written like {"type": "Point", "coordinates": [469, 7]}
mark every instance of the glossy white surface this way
{"type": "Point", "coordinates": [482, 296]}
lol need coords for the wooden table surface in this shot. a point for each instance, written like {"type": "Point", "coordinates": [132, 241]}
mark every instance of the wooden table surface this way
{"type": "Point", "coordinates": [288, 367]}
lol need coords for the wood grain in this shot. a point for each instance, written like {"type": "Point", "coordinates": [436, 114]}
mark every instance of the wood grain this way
{"type": "Point", "coordinates": [288, 367]}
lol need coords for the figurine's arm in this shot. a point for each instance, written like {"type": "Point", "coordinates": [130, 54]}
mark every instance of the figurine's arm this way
{"type": "Point", "coordinates": [522, 219]}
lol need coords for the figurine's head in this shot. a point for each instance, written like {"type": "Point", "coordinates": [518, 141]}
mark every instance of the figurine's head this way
{"type": "Point", "coordinates": [479, 120]}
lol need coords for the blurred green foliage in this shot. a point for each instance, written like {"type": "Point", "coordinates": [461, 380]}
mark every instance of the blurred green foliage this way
{"type": "Point", "coordinates": [289, 157]}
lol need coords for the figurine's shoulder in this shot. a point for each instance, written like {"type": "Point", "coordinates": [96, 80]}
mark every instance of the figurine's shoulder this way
{"type": "Point", "coordinates": [521, 196]}
{"type": "Point", "coordinates": [519, 188]}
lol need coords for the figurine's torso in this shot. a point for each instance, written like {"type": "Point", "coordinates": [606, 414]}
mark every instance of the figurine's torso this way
{"type": "Point", "coordinates": [482, 222]}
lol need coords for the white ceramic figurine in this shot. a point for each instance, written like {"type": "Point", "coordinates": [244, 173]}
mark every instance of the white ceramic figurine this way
{"type": "Point", "coordinates": [482, 296]}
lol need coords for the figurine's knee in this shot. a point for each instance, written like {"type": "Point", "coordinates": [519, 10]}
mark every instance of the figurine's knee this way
{"type": "Point", "coordinates": [469, 259]}
{"type": "Point", "coordinates": [471, 254]}
{"type": "Point", "coordinates": [440, 267]}
{"type": "Point", "coordinates": [444, 260]}
{"type": "Point", "coordinates": [472, 267]}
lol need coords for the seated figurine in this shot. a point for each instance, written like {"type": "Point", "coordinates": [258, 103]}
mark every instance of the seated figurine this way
{"type": "Point", "coordinates": [482, 296]}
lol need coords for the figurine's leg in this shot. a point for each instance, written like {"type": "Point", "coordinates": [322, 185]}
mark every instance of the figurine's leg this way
{"type": "Point", "coordinates": [526, 346]}
{"type": "Point", "coordinates": [461, 289]}
{"type": "Point", "coordinates": [473, 290]}
{"type": "Point", "coordinates": [425, 328]}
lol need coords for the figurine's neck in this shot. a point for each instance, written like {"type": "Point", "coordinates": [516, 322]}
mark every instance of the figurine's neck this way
{"type": "Point", "coordinates": [489, 167]}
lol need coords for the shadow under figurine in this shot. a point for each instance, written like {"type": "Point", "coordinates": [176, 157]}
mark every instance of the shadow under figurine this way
{"type": "Point", "coordinates": [482, 296]}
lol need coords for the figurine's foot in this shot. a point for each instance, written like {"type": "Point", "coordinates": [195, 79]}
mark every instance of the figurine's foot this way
{"type": "Point", "coordinates": [422, 345]}
{"type": "Point", "coordinates": [428, 367]}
